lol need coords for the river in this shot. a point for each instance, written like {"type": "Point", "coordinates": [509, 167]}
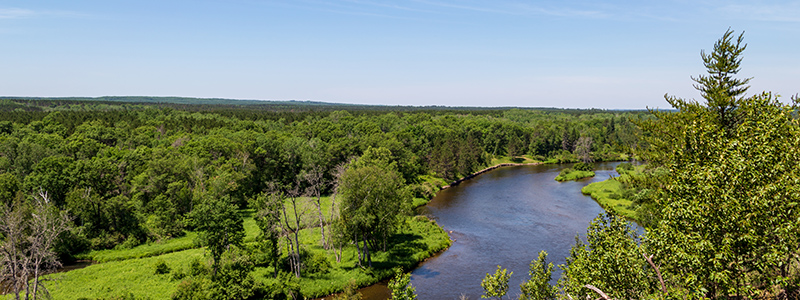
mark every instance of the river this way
{"type": "Point", "coordinates": [503, 217]}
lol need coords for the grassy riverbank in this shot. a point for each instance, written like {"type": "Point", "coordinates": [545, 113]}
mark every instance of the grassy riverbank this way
{"type": "Point", "coordinates": [611, 193]}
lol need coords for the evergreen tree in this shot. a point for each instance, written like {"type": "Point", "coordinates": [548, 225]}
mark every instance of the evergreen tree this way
{"type": "Point", "coordinates": [720, 89]}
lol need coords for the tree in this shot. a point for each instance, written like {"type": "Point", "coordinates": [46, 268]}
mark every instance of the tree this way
{"type": "Point", "coordinates": [375, 198]}
{"type": "Point", "coordinates": [610, 260]}
{"type": "Point", "coordinates": [268, 218]}
{"type": "Point", "coordinates": [720, 89]}
{"type": "Point", "coordinates": [735, 195]}
{"type": "Point", "coordinates": [728, 206]}
{"type": "Point", "coordinates": [220, 226]}
{"type": "Point", "coordinates": [538, 286]}
{"type": "Point", "coordinates": [316, 183]}
{"type": "Point", "coordinates": [401, 286]}
{"type": "Point", "coordinates": [583, 148]}
{"type": "Point", "coordinates": [30, 231]}
{"type": "Point", "coordinates": [290, 198]}
{"type": "Point", "coordinates": [496, 285]}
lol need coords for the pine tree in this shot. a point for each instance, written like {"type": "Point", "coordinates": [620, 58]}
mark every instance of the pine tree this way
{"type": "Point", "coordinates": [721, 90]}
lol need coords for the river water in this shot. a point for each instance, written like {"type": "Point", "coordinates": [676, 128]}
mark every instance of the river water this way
{"type": "Point", "coordinates": [505, 217]}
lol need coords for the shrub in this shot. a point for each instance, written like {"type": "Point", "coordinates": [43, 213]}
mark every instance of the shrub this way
{"type": "Point", "coordinates": [625, 167]}
{"type": "Point", "coordinates": [317, 262]}
{"type": "Point", "coordinates": [161, 267]}
{"type": "Point", "coordinates": [129, 243]}
{"type": "Point", "coordinates": [198, 268]}
{"type": "Point", "coordinates": [582, 166]}
{"type": "Point", "coordinates": [178, 274]}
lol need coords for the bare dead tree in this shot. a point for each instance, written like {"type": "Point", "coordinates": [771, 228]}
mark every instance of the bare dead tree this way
{"type": "Point", "coordinates": [292, 225]}
{"type": "Point", "coordinates": [30, 234]}
{"type": "Point", "coordinates": [316, 180]}
{"type": "Point", "coordinates": [583, 148]}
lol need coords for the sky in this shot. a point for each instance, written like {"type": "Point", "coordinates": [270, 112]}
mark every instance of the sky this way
{"type": "Point", "coordinates": [570, 54]}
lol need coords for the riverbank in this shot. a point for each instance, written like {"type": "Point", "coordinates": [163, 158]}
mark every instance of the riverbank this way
{"type": "Point", "coordinates": [612, 194]}
{"type": "Point", "coordinates": [468, 177]}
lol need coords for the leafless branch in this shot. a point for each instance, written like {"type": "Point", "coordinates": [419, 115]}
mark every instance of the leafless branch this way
{"type": "Point", "coordinates": [658, 272]}
{"type": "Point", "coordinates": [598, 291]}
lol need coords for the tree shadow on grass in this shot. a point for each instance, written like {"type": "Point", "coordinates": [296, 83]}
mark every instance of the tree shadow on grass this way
{"type": "Point", "coordinates": [402, 252]}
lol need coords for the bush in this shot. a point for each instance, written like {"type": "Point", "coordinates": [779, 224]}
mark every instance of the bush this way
{"type": "Point", "coordinates": [316, 262]}
{"type": "Point", "coordinates": [129, 243]}
{"type": "Point", "coordinates": [178, 274]}
{"type": "Point", "coordinates": [625, 167]}
{"type": "Point", "coordinates": [107, 241]}
{"type": "Point", "coordinates": [198, 268]}
{"type": "Point", "coordinates": [582, 166]}
{"type": "Point", "coordinates": [195, 288]}
{"type": "Point", "coordinates": [161, 267]}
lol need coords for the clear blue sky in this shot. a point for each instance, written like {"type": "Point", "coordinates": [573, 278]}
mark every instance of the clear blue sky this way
{"type": "Point", "coordinates": [585, 54]}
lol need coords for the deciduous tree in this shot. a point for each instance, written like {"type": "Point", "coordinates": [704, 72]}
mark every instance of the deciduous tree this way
{"type": "Point", "coordinates": [496, 285]}
{"type": "Point", "coordinates": [220, 226]}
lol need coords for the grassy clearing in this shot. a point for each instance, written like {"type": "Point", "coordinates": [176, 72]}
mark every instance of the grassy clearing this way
{"type": "Point", "coordinates": [145, 250]}
{"type": "Point", "coordinates": [418, 239]}
{"type": "Point", "coordinates": [308, 217]}
{"type": "Point", "coordinates": [117, 279]}
{"type": "Point", "coordinates": [571, 174]}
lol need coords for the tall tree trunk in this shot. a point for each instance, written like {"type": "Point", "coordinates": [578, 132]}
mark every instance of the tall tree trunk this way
{"type": "Point", "coordinates": [296, 236]}
{"type": "Point", "coordinates": [321, 222]}
{"type": "Point", "coordinates": [358, 249]}
{"type": "Point", "coordinates": [366, 253]}
{"type": "Point", "coordinates": [333, 215]}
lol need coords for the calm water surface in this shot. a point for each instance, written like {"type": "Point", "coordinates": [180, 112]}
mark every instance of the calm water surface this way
{"type": "Point", "coordinates": [504, 217]}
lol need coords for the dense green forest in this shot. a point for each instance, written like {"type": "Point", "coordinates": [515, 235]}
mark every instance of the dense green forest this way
{"type": "Point", "coordinates": [277, 194]}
